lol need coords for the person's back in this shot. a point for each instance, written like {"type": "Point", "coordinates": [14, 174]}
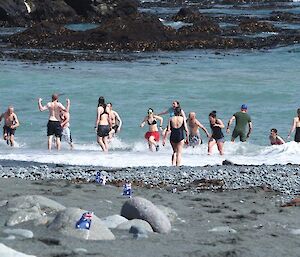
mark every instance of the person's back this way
{"type": "Point", "coordinates": [242, 120]}
{"type": "Point", "coordinates": [54, 110]}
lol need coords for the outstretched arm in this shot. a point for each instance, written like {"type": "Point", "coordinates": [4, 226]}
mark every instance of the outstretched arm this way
{"type": "Point", "coordinates": [229, 123]}
{"type": "Point", "coordinates": [41, 107]}
{"type": "Point", "coordinates": [164, 112]}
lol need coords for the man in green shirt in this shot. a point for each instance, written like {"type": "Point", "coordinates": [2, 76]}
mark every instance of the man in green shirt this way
{"type": "Point", "coordinates": [241, 118]}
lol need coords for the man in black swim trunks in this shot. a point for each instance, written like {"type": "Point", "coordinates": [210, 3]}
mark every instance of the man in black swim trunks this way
{"type": "Point", "coordinates": [11, 122]}
{"type": "Point", "coordinates": [54, 123]}
{"type": "Point", "coordinates": [116, 122]}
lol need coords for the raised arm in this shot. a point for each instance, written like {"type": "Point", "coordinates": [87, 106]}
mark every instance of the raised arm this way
{"type": "Point", "coordinates": [41, 107]}
{"type": "Point", "coordinates": [229, 123]}
{"type": "Point", "coordinates": [220, 124]}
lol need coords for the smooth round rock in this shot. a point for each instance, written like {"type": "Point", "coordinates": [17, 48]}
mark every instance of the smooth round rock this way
{"type": "Point", "coordinates": [113, 221]}
{"type": "Point", "coordinates": [65, 222]}
{"type": "Point", "coordinates": [19, 232]}
{"type": "Point", "coordinates": [24, 215]}
{"type": "Point", "coordinates": [135, 222]}
{"type": "Point", "coordinates": [141, 208]}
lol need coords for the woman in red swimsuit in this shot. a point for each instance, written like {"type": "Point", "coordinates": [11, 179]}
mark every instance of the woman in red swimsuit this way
{"type": "Point", "coordinates": [152, 135]}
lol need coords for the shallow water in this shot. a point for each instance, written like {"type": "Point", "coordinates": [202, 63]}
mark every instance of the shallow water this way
{"type": "Point", "coordinates": [201, 80]}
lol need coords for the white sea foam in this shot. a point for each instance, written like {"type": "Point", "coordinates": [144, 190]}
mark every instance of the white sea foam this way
{"type": "Point", "coordinates": [124, 155]}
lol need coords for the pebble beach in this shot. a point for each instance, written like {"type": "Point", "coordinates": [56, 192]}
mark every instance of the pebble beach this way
{"type": "Point", "coordinates": [224, 210]}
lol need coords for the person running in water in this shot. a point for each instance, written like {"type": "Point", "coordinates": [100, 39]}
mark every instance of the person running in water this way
{"type": "Point", "coordinates": [194, 134]}
{"type": "Point", "coordinates": [177, 126]}
{"type": "Point", "coordinates": [115, 120]}
{"type": "Point", "coordinates": [11, 122]}
{"type": "Point", "coordinates": [102, 125]}
{"type": "Point", "coordinates": [242, 118]}
{"type": "Point", "coordinates": [53, 127]}
{"type": "Point", "coordinates": [65, 124]}
{"type": "Point", "coordinates": [152, 135]}
{"type": "Point", "coordinates": [171, 112]}
{"type": "Point", "coordinates": [274, 138]}
{"type": "Point", "coordinates": [217, 136]}
{"type": "Point", "coordinates": [296, 126]}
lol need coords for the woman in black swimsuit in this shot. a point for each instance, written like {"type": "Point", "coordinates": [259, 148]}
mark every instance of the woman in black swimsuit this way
{"type": "Point", "coordinates": [102, 125]}
{"type": "Point", "coordinates": [217, 136]}
{"type": "Point", "coordinates": [296, 126]}
{"type": "Point", "coordinates": [152, 135]}
{"type": "Point", "coordinates": [177, 126]}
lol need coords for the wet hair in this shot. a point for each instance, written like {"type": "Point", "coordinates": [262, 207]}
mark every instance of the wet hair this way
{"type": "Point", "coordinates": [177, 111]}
{"type": "Point", "coordinates": [298, 112]}
{"type": "Point", "coordinates": [213, 114]}
{"type": "Point", "coordinates": [101, 101]}
{"type": "Point", "coordinates": [110, 104]}
{"type": "Point", "coordinates": [150, 110]}
{"type": "Point", "coordinates": [274, 130]}
{"type": "Point", "coordinates": [54, 97]}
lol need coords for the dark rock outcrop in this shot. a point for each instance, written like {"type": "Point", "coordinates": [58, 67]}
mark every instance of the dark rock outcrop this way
{"type": "Point", "coordinates": [254, 26]}
{"type": "Point", "coordinates": [190, 15]}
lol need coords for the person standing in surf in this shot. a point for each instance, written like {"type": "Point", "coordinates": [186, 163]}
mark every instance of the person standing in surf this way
{"type": "Point", "coordinates": [11, 123]}
{"type": "Point", "coordinates": [296, 126]}
{"type": "Point", "coordinates": [102, 125]}
{"type": "Point", "coordinates": [54, 127]}
{"type": "Point", "coordinates": [65, 124]}
{"type": "Point", "coordinates": [242, 118]}
{"type": "Point", "coordinates": [217, 136]}
{"type": "Point", "coordinates": [152, 135]}
{"type": "Point", "coordinates": [194, 134]}
{"type": "Point", "coordinates": [177, 126]}
{"type": "Point", "coordinates": [115, 120]}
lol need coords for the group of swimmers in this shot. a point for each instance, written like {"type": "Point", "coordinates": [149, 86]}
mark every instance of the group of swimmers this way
{"type": "Point", "coordinates": [182, 130]}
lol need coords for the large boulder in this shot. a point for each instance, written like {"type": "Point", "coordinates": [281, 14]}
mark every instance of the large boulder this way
{"type": "Point", "coordinates": [66, 220]}
{"type": "Point", "coordinates": [140, 208]}
{"type": "Point", "coordinates": [34, 208]}
{"type": "Point", "coordinates": [45, 204]}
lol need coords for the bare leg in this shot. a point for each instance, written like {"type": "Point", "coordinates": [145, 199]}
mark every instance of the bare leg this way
{"type": "Point", "coordinates": [111, 134]}
{"type": "Point", "coordinates": [105, 142]}
{"type": "Point", "coordinates": [151, 142]}
{"type": "Point", "coordinates": [220, 147]}
{"type": "Point", "coordinates": [179, 152]}
{"type": "Point", "coordinates": [100, 142]}
{"type": "Point", "coordinates": [174, 155]}
{"type": "Point", "coordinates": [49, 142]}
{"type": "Point", "coordinates": [210, 146]}
{"type": "Point", "coordinates": [58, 143]}
{"type": "Point", "coordinates": [12, 140]}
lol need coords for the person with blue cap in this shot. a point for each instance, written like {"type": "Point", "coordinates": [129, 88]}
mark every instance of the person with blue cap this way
{"type": "Point", "coordinates": [242, 118]}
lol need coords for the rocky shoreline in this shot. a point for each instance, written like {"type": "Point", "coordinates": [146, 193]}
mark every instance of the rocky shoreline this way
{"type": "Point", "coordinates": [284, 179]}
{"type": "Point", "coordinates": [126, 26]}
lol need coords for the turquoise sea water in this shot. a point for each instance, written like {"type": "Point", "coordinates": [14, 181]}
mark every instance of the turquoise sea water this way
{"type": "Point", "coordinates": [202, 81]}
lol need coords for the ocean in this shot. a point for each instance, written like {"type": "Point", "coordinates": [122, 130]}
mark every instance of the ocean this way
{"type": "Point", "coordinates": [202, 81]}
